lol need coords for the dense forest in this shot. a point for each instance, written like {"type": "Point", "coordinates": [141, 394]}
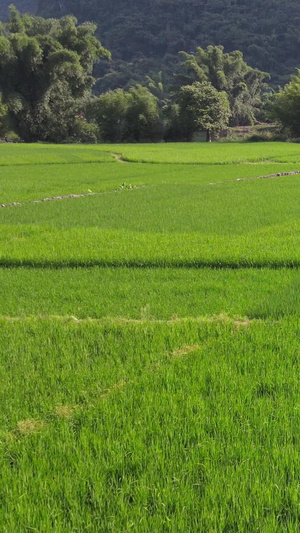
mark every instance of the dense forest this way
{"type": "Point", "coordinates": [47, 78]}
{"type": "Point", "coordinates": [25, 6]}
{"type": "Point", "coordinates": [145, 36]}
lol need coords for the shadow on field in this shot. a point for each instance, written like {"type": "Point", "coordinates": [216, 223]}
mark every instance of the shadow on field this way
{"type": "Point", "coordinates": [144, 264]}
{"type": "Point", "coordinates": [284, 302]}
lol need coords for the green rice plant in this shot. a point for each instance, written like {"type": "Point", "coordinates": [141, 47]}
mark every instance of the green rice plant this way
{"type": "Point", "coordinates": [46, 154]}
{"type": "Point", "coordinates": [149, 348]}
{"type": "Point", "coordinates": [25, 183]}
{"type": "Point", "coordinates": [208, 208]}
{"type": "Point", "coordinates": [194, 426]}
{"type": "Point", "coordinates": [247, 208]}
{"type": "Point", "coordinates": [148, 293]}
{"type": "Point", "coordinates": [231, 224]}
{"type": "Point", "coordinates": [199, 153]}
{"type": "Point", "coordinates": [276, 247]}
{"type": "Point", "coordinates": [209, 153]}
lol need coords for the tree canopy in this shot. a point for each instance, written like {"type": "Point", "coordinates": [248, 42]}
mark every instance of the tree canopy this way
{"type": "Point", "coordinates": [286, 106]}
{"type": "Point", "coordinates": [46, 71]}
{"type": "Point", "coordinates": [197, 107]}
{"type": "Point", "coordinates": [131, 116]}
{"type": "Point", "coordinates": [230, 73]}
{"type": "Point", "coordinates": [47, 75]}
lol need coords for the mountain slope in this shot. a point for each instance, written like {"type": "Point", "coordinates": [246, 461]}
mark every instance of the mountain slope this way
{"type": "Point", "coordinates": [25, 6]}
{"type": "Point", "coordinates": [267, 31]}
{"type": "Point", "coordinates": [145, 34]}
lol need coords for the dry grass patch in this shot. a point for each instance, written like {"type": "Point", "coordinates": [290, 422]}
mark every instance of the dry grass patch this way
{"type": "Point", "coordinates": [185, 350]}
{"type": "Point", "coordinates": [29, 426]}
{"type": "Point", "coordinates": [114, 387]}
{"type": "Point", "coordinates": [241, 324]}
{"type": "Point", "coordinates": [64, 411]}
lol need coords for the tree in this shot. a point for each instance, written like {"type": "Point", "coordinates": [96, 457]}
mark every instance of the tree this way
{"type": "Point", "coordinates": [4, 126]}
{"type": "Point", "coordinates": [142, 116]}
{"type": "Point", "coordinates": [109, 112]}
{"type": "Point", "coordinates": [46, 73]}
{"type": "Point", "coordinates": [200, 107]}
{"type": "Point", "coordinates": [286, 106]}
{"type": "Point", "coordinates": [131, 116]}
{"type": "Point", "coordinates": [156, 85]}
{"type": "Point", "coordinates": [174, 130]}
{"type": "Point", "coordinates": [230, 73]}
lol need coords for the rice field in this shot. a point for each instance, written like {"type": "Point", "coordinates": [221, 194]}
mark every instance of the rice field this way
{"type": "Point", "coordinates": [149, 327]}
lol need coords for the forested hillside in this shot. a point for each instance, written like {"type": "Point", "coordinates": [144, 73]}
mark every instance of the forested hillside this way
{"type": "Point", "coordinates": [25, 6]}
{"type": "Point", "coordinates": [145, 36]}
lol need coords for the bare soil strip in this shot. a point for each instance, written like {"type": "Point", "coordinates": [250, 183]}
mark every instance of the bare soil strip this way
{"type": "Point", "coordinates": [118, 157]}
{"type": "Point", "coordinates": [130, 187]}
{"type": "Point", "coordinates": [222, 318]}
{"type": "Point", "coordinates": [123, 187]}
{"type": "Point", "coordinates": [267, 176]}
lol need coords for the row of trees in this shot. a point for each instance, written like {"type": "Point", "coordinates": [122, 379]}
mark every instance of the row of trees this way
{"type": "Point", "coordinates": [225, 91]}
{"type": "Point", "coordinates": [213, 90]}
{"type": "Point", "coordinates": [46, 80]}
{"type": "Point", "coordinates": [135, 115]}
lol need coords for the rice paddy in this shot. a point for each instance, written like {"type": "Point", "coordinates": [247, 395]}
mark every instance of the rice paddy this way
{"type": "Point", "coordinates": [149, 325]}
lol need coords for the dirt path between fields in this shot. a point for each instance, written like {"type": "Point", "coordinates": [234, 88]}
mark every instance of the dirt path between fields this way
{"type": "Point", "coordinates": [118, 157]}
{"type": "Point", "coordinates": [267, 176]}
{"type": "Point", "coordinates": [123, 187]}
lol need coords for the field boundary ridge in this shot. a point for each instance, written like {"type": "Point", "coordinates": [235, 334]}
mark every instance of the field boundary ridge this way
{"type": "Point", "coordinates": [159, 264]}
{"type": "Point", "coordinates": [222, 318]}
{"type": "Point", "coordinates": [122, 187]}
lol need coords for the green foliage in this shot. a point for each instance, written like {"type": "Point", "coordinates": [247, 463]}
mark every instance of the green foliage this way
{"type": "Point", "coordinates": [85, 132]}
{"type": "Point", "coordinates": [200, 107]}
{"type": "Point", "coordinates": [230, 73]}
{"type": "Point", "coordinates": [109, 112]}
{"type": "Point", "coordinates": [3, 117]}
{"type": "Point", "coordinates": [157, 86]}
{"type": "Point", "coordinates": [147, 36]}
{"type": "Point", "coordinates": [150, 396]}
{"type": "Point", "coordinates": [12, 137]}
{"type": "Point", "coordinates": [172, 122]}
{"type": "Point", "coordinates": [286, 106]}
{"type": "Point", "coordinates": [142, 117]}
{"type": "Point", "coordinates": [46, 68]}
{"type": "Point", "coordinates": [127, 116]}
{"type": "Point", "coordinates": [46, 73]}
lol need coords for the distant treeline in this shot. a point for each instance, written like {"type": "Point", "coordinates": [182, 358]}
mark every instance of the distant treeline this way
{"type": "Point", "coordinates": [46, 82]}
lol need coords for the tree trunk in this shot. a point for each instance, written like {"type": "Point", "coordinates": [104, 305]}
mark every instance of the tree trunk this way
{"type": "Point", "coordinates": [208, 136]}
